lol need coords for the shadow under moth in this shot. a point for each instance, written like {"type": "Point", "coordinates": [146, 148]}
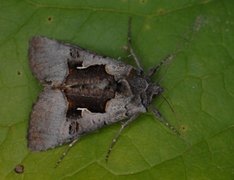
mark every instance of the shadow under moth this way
{"type": "Point", "coordinates": [83, 92]}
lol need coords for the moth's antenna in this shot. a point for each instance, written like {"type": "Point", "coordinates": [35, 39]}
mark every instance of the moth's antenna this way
{"type": "Point", "coordinates": [165, 60]}
{"type": "Point", "coordinates": [65, 152]}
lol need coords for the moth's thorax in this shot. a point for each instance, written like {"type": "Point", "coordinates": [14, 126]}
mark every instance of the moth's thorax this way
{"type": "Point", "coordinates": [152, 91]}
{"type": "Point", "coordinates": [141, 86]}
{"type": "Point", "coordinates": [92, 88]}
{"type": "Point", "coordinates": [89, 88]}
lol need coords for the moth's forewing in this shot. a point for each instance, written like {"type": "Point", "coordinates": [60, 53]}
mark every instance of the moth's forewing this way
{"type": "Point", "coordinates": [48, 126]}
{"type": "Point", "coordinates": [48, 60]}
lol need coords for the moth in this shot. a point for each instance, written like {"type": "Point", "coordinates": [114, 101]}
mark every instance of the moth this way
{"type": "Point", "coordinates": [83, 92]}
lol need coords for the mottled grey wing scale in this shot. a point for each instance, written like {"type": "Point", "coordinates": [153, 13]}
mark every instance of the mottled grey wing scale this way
{"type": "Point", "coordinates": [48, 60]}
{"type": "Point", "coordinates": [49, 126]}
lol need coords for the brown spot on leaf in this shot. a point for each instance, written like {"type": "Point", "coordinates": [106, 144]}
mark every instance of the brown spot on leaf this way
{"type": "Point", "coordinates": [183, 128]}
{"type": "Point", "coordinates": [49, 19]}
{"type": "Point", "coordinates": [19, 169]}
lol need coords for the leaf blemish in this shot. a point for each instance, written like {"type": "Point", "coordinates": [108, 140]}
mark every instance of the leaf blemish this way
{"type": "Point", "coordinates": [19, 169]}
{"type": "Point", "coordinates": [147, 27]}
{"type": "Point", "coordinates": [161, 11]}
{"type": "Point", "coordinates": [50, 19]}
{"type": "Point", "coordinates": [183, 128]}
{"type": "Point", "coordinates": [143, 1]}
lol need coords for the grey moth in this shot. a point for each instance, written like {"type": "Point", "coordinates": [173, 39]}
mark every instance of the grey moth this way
{"type": "Point", "coordinates": [83, 92]}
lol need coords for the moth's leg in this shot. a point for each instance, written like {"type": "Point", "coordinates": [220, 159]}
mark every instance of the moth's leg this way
{"type": "Point", "coordinates": [65, 152]}
{"type": "Point", "coordinates": [165, 60]}
{"type": "Point", "coordinates": [131, 50]}
{"type": "Point", "coordinates": [164, 121]}
{"type": "Point", "coordinates": [117, 135]}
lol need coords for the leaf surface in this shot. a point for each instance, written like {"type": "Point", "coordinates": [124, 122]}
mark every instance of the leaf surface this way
{"type": "Point", "coordinates": [198, 84]}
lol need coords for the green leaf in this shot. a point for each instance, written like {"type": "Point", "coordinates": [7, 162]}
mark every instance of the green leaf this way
{"type": "Point", "coordinates": [198, 84]}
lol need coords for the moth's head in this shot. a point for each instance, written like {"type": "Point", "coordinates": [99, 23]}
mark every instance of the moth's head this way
{"type": "Point", "coordinates": [141, 85]}
{"type": "Point", "coordinates": [152, 91]}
